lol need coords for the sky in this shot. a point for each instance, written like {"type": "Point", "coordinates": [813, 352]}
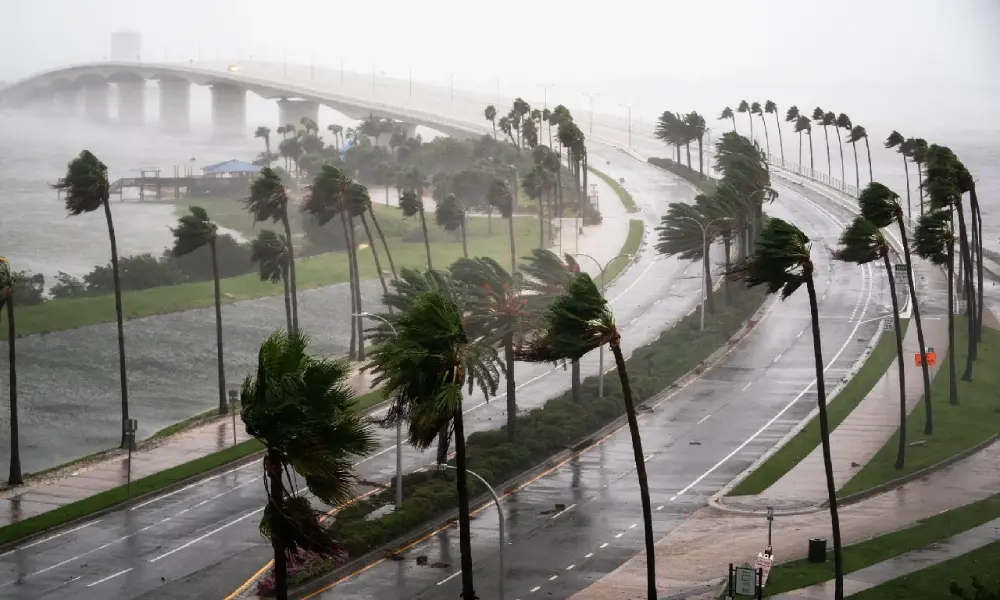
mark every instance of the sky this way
{"type": "Point", "coordinates": [909, 60]}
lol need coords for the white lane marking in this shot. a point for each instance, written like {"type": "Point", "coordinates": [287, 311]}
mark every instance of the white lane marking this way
{"type": "Point", "coordinates": [535, 589]}
{"type": "Point", "coordinates": [633, 320]}
{"type": "Point", "coordinates": [564, 511]}
{"type": "Point", "coordinates": [633, 525]}
{"type": "Point", "coordinates": [50, 538]}
{"type": "Point", "coordinates": [570, 568]}
{"type": "Point", "coordinates": [619, 535]}
{"type": "Point", "coordinates": [648, 458]}
{"type": "Point", "coordinates": [660, 507]}
{"type": "Point", "coordinates": [705, 418]}
{"type": "Point", "coordinates": [99, 581]}
{"type": "Point", "coordinates": [588, 555]}
{"type": "Point", "coordinates": [778, 357]}
{"type": "Point", "coordinates": [604, 545]}
{"type": "Point", "coordinates": [553, 578]}
{"type": "Point", "coordinates": [673, 498]}
{"type": "Point", "coordinates": [210, 533]}
{"type": "Point", "coordinates": [449, 578]}
{"type": "Point", "coordinates": [191, 486]}
{"type": "Point", "coordinates": [746, 386]}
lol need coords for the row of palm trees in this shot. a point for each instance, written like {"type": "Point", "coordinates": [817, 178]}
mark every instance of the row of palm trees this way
{"type": "Point", "coordinates": [676, 129]}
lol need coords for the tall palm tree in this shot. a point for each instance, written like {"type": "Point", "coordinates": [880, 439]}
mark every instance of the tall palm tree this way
{"type": "Point", "coordinates": [534, 185]}
{"type": "Point", "coordinates": [782, 263]}
{"type": "Point", "coordinates": [858, 133]}
{"type": "Point", "coordinates": [743, 107]}
{"type": "Point", "coordinates": [85, 189]}
{"type": "Point", "coordinates": [771, 108]}
{"type": "Point", "coordinates": [501, 196]}
{"type": "Point", "coordinates": [359, 204]}
{"type": "Point", "coordinates": [727, 113]}
{"type": "Point", "coordinates": [336, 131]}
{"type": "Point", "coordinates": [7, 282]}
{"type": "Point", "coordinates": [819, 116]}
{"type": "Point", "coordinates": [918, 151]}
{"type": "Point", "coordinates": [904, 148]}
{"type": "Point", "coordinates": [862, 242]}
{"type": "Point", "coordinates": [881, 206]}
{"type": "Point", "coordinates": [934, 239]}
{"type": "Point", "coordinates": [696, 130]}
{"type": "Point", "coordinates": [491, 115]}
{"type": "Point", "coordinates": [681, 232]}
{"type": "Point", "coordinates": [755, 109]}
{"type": "Point", "coordinates": [792, 116]}
{"type": "Point", "coordinates": [803, 124]}
{"type": "Point", "coordinates": [422, 370]}
{"type": "Point", "coordinates": [269, 251]}
{"type": "Point", "coordinates": [268, 201]}
{"type": "Point", "coordinates": [413, 205]}
{"type": "Point", "coordinates": [495, 304]}
{"type": "Point", "coordinates": [967, 184]}
{"type": "Point", "coordinates": [450, 215]}
{"type": "Point", "coordinates": [576, 323]}
{"type": "Point", "coordinates": [304, 413]}
{"type": "Point", "coordinates": [844, 122]}
{"type": "Point", "coordinates": [832, 119]}
{"type": "Point", "coordinates": [195, 230]}
{"type": "Point", "coordinates": [265, 134]}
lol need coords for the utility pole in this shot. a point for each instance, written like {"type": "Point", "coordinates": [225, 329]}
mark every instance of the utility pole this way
{"type": "Point", "coordinates": [591, 96]}
{"type": "Point", "coordinates": [629, 108]}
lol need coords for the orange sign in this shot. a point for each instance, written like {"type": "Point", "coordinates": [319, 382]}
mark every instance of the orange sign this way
{"type": "Point", "coordinates": [931, 359]}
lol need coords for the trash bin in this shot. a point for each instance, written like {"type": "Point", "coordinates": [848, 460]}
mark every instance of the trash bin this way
{"type": "Point", "coordinates": [817, 550]}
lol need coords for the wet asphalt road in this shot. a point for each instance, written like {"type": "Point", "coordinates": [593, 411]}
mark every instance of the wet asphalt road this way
{"type": "Point", "coordinates": [202, 541]}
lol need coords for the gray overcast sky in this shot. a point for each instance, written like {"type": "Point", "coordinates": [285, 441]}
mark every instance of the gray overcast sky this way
{"type": "Point", "coordinates": [932, 53]}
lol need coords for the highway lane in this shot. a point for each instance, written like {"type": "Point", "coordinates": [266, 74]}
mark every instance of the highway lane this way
{"type": "Point", "coordinates": [694, 442]}
{"type": "Point", "coordinates": [203, 539]}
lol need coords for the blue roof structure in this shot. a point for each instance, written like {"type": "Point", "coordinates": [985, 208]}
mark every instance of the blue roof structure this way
{"type": "Point", "coordinates": [230, 167]}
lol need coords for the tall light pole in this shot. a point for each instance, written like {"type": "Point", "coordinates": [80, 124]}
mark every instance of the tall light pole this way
{"type": "Point", "coordinates": [591, 96]}
{"type": "Point", "coordinates": [629, 108]}
{"type": "Point", "coordinates": [545, 93]}
{"type": "Point", "coordinates": [496, 501]}
{"type": "Point", "coordinates": [399, 423]}
{"type": "Point", "coordinates": [704, 248]}
{"type": "Point", "coordinates": [600, 379]}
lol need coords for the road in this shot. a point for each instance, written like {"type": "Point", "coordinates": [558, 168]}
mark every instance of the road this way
{"type": "Point", "coordinates": [202, 541]}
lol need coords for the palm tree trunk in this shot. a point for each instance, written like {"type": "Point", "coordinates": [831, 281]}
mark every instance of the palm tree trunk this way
{"type": "Point", "coordinates": [824, 433]}
{"type": "Point", "coordinates": [901, 450]}
{"type": "Point", "coordinates": [223, 406]}
{"type": "Point", "coordinates": [767, 138]}
{"type": "Point", "coordinates": [508, 357]}
{"type": "Point", "coordinates": [829, 163]}
{"type": "Point", "coordinates": [701, 157]}
{"type": "Point", "coordinates": [857, 173]}
{"type": "Point", "coordinates": [640, 466]}
{"type": "Point", "coordinates": [709, 298]}
{"type": "Point", "coordinates": [276, 497]}
{"type": "Point", "coordinates": [378, 263]}
{"type": "Point", "coordinates": [750, 118]}
{"type": "Point", "coordinates": [727, 243]}
{"type": "Point", "coordinates": [906, 171]}
{"type": "Point", "coordinates": [14, 476]}
{"type": "Point", "coordinates": [920, 187]}
{"type": "Point", "coordinates": [288, 298]}
{"type": "Point", "coordinates": [352, 350]}
{"type": "Point", "coordinates": [358, 308]}
{"type": "Point", "coordinates": [427, 241]}
{"type": "Point", "coordinates": [734, 122]}
{"type": "Point", "coordinates": [978, 224]}
{"type": "Point", "coordinates": [871, 177]}
{"type": "Point", "coordinates": [952, 372]}
{"type": "Point", "coordinates": [812, 166]}
{"type": "Point", "coordinates": [385, 244]}
{"type": "Point", "coordinates": [291, 271]}
{"type": "Point", "coordinates": [548, 208]}
{"type": "Point", "coordinates": [970, 298]}
{"type": "Point", "coordinates": [465, 244]}
{"type": "Point", "coordinates": [840, 144]}
{"type": "Point", "coordinates": [541, 220]}
{"type": "Point", "coordinates": [464, 519]}
{"type": "Point", "coordinates": [928, 413]}
{"type": "Point", "coordinates": [800, 149]}
{"type": "Point", "coordinates": [510, 229]}
{"type": "Point", "coordinates": [687, 151]}
{"type": "Point", "coordinates": [575, 381]}
{"type": "Point", "coordinates": [122, 375]}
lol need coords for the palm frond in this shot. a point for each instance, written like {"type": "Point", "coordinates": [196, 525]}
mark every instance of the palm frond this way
{"type": "Point", "coordinates": [861, 242]}
{"type": "Point", "coordinates": [879, 204]}
{"type": "Point", "coordinates": [85, 184]}
{"type": "Point", "coordinates": [779, 260]}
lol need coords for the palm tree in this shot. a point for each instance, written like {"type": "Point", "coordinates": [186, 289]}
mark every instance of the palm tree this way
{"type": "Point", "coordinates": [820, 118]}
{"type": "Point", "coordinates": [782, 263]}
{"type": "Point", "coordinates": [496, 306]}
{"type": "Point", "coordinates": [337, 131]}
{"type": "Point", "coordinates": [881, 206]}
{"type": "Point", "coordinates": [411, 205]}
{"type": "Point", "coordinates": [681, 232]}
{"type": "Point", "coordinates": [771, 108]}
{"type": "Point", "coordinates": [576, 323]}
{"type": "Point", "coordinates": [858, 133]}
{"type": "Point", "coordinates": [745, 108]}
{"type": "Point", "coordinates": [193, 231]}
{"type": "Point", "coordinates": [265, 134]}
{"type": "Point", "coordinates": [422, 370]}
{"type": "Point", "coordinates": [803, 124]}
{"type": "Point", "coordinates": [86, 189]}
{"type": "Point", "coordinates": [304, 413]}
{"type": "Point", "coordinates": [501, 196]}
{"type": "Point", "coordinates": [450, 215]}
{"type": "Point", "coordinates": [534, 185]}
{"type": "Point", "coordinates": [359, 204]}
{"type": "Point", "coordinates": [268, 201]}
{"type": "Point", "coordinates": [755, 109]}
{"type": "Point", "coordinates": [491, 115]}
{"type": "Point", "coordinates": [918, 151]}
{"type": "Point", "coordinates": [934, 239]}
{"type": "Point", "coordinates": [897, 141]}
{"type": "Point", "coordinates": [696, 130]}
{"type": "Point", "coordinates": [269, 251]}
{"type": "Point", "coordinates": [727, 113]}
{"type": "Point", "coordinates": [844, 122]}
{"type": "Point", "coordinates": [862, 243]}
{"type": "Point", "coordinates": [7, 282]}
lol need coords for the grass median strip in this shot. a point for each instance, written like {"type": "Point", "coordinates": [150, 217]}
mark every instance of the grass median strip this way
{"type": "Point", "coordinates": [623, 194]}
{"type": "Point", "coordinates": [802, 573]}
{"type": "Point", "coordinates": [797, 448]}
{"type": "Point", "coordinates": [956, 428]}
{"type": "Point", "coordinates": [933, 582]}
{"type": "Point", "coordinates": [632, 243]}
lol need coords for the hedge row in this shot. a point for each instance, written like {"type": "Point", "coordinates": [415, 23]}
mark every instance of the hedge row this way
{"type": "Point", "coordinates": [703, 183]}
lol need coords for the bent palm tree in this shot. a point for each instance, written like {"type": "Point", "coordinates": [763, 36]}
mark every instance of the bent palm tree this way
{"type": "Point", "coordinates": [501, 195]}
{"type": "Point", "coordinates": [193, 231]}
{"type": "Point", "coordinates": [904, 148]}
{"type": "Point", "coordinates": [86, 189]}
{"type": "Point", "coordinates": [771, 108]}
{"type": "Point", "coordinates": [450, 215]}
{"type": "Point", "coordinates": [268, 201]}
{"type": "Point", "coordinates": [857, 134]}
{"type": "Point", "coordinates": [304, 413]}
{"type": "Point", "coordinates": [792, 116]}
{"type": "Point", "coordinates": [413, 205]}
{"type": "Point", "coordinates": [7, 282]}
{"type": "Point", "coordinates": [265, 134]}
{"type": "Point", "coordinates": [727, 113]}
{"type": "Point", "coordinates": [838, 124]}
{"type": "Point", "coordinates": [269, 251]}
{"type": "Point", "coordinates": [576, 323]}
{"type": "Point", "coordinates": [803, 124]}
{"type": "Point", "coordinates": [934, 239]}
{"type": "Point", "coordinates": [782, 263]}
{"type": "Point", "coordinates": [743, 107]}
{"type": "Point", "coordinates": [491, 115]}
{"type": "Point", "coordinates": [861, 243]}
{"type": "Point", "coordinates": [755, 109]}
{"type": "Point", "coordinates": [820, 118]}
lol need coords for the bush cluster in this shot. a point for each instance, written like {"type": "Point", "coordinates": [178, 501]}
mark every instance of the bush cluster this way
{"type": "Point", "coordinates": [706, 185]}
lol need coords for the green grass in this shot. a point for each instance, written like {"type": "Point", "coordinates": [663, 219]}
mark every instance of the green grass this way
{"type": "Point", "coordinates": [119, 495]}
{"type": "Point", "coordinates": [626, 197]}
{"type": "Point", "coordinates": [956, 428]}
{"type": "Point", "coordinates": [312, 272]}
{"type": "Point", "coordinates": [632, 242]}
{"type": "Point", "coordinates": [933, 582]}
{"type": "Point", "coordinates": [797, 448]}
{"type": "Point", "coordinates": [801, 573]}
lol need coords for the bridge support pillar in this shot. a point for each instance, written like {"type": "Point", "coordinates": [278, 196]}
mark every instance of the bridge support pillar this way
{"type": "Point", "coordinates": [67, 101]}
{"type": "Point", "coordinates": [95, 100]}
{"type": "Point", "coordinates": [229, 111]}
{"type": "Point", "coordinates": [293, 111]}
{"type": "Point", "coordinates": [132, 102]}
{"type": "Point", "coordinates": [175, 105]}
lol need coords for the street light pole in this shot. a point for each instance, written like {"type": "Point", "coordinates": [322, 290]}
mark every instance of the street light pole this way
{"type": "Point", "coordinates": [545, 94]}
{"type": "Point", "coordinates": [399, 423]}
{"type": "Point", "coordinates": [600, 365]}
{"type": "Point", "coordinates": [704, 249]}
{"type": "Point", "coordinates": [629, 108]}
{"type": "Point", "coordinates": [496, 501]}
{"type": "Point", "coordinates": [591, 96]}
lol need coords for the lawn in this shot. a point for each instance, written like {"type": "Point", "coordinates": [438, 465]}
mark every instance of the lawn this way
{"type": "Point", "coordinates": [956, 428]}
{"type": "Point", "coordinates": [801, 573]}
{"type": "Point", "coordinates": [797, 448]}
{"type": "Point", "coordinates": [626, 197]}
{"type": "Point", "coordinates": [933, 582]}
{"type": "Point", "coordinates": [316, 271]}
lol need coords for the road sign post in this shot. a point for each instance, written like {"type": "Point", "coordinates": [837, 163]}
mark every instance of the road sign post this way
{"type": "Point", "coordinates": [131, 426]}
{"type": "Point", "coordinates": [232, 411]}
{"type": "Point", "coordinates": [770, 521]}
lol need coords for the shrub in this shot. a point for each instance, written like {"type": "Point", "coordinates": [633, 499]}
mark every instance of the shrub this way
{"type": "Point", "coordinates": [29, 288]}
{"type": "Point", "coordinates": [703, 183]}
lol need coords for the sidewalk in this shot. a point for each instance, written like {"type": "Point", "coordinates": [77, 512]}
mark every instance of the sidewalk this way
{"type": "Point", "coordinates": [603, 242]}
{"type": "Point", "coordinates": [110, 470]}
{"type": "Point", "coordinates": [693, 559]}
{"type": "Point", "coordinates": [904, 564]}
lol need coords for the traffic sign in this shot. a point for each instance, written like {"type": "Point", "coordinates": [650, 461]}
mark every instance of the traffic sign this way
{"type": "Point", "coordinates": [764, 562]}
{"type": "Point", "coordinates": [931, 358]}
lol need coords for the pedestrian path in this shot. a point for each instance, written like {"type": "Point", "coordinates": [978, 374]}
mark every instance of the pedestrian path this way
{"type": "Point", "coordinates": [904, 564]}
{"type": "Point", "coordinates": [88, 478]}
{"type": "Point", "coordinates": [604, 241]}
